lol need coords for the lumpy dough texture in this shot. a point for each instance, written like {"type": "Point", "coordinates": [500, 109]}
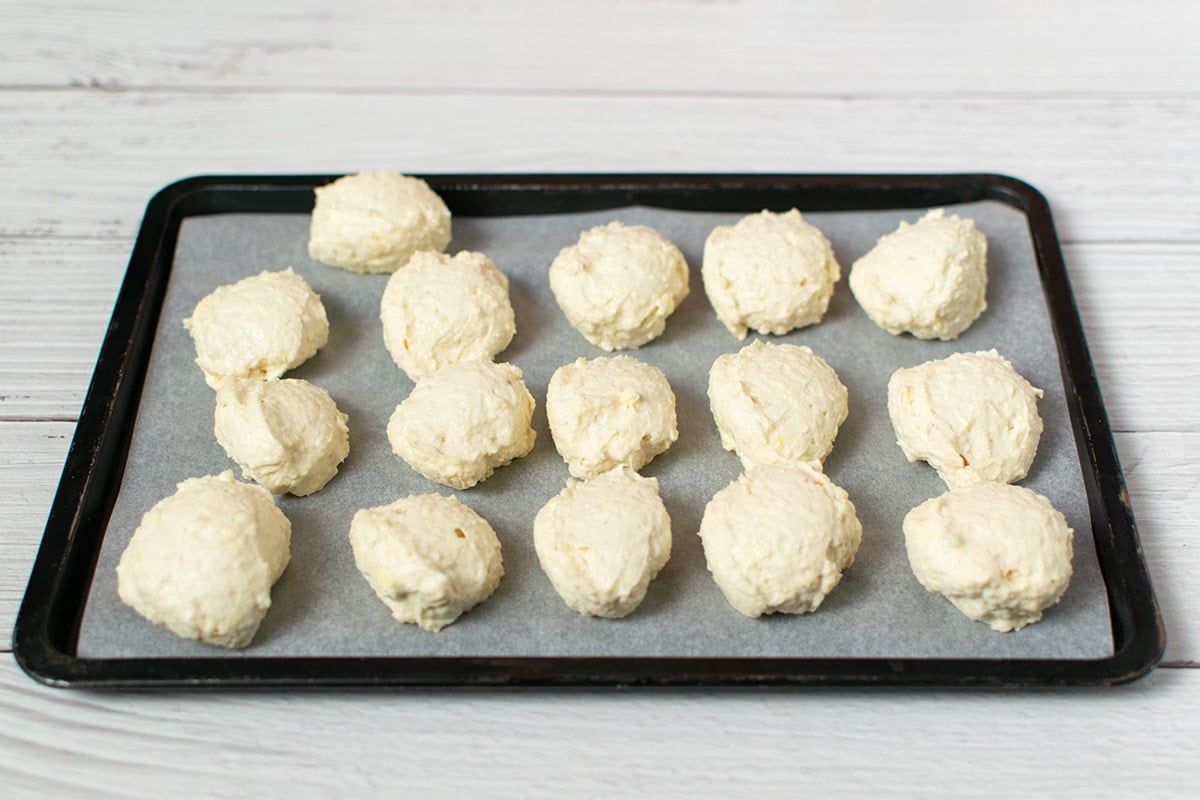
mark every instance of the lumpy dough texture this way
{"type": "Point", "coordinates": [442, 310]}
{"type": "Point", "coordinates": [776, 403]}
{"type": "Point", "coordinates": [770, 272]}
{"type": "Point", "coordinates": [778, 538]}
{"type": "Point", "coordinates": [259, 327]}
{"type": "Point", "coordinates": [462, 422]}
{"type": "Point", "coordinates": [619, 284]}
{"type": "Point", "coordinates": [927, 279]}
{"type": "Point", "coordinates": [602, 541]}
{"type": "Point", "coordinates": [375, 221]}
{"type": "Point", "coordinates": [203, 561]}
{"type": "Point", "coordinates": [287, 435]}
{"type": "Point", "coordinates": [971, 416]}
{"type": "Point", "coordinates": [429, 558]}
{"type": "Point", "coordinates": [610, 411]}
{"type": "Point", "coordinates": [1000, 553]}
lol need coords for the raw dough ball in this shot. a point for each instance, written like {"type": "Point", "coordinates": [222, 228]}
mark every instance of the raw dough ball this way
{"type": "Point", "coordinates": [462, 422]}
{"type": "Point", "coordinates": [619, 284]}
{"type": "Point", "coordinates": [776, 403]}
{"type": "Point", "coordinates": [769, 272]}
{"type": "Point", "coordinates": [778, 538]}
{"type": "Point", "coordinates": [602, 541]}
{"type": "Point", "coordinates": [440, 310]}
{"type": "Point", "coordinates": [375, 221]}
{"type": "Point", "coordinates": [928, 279]}
{"type": "Point", "coordinates": [287, 435]}
{"type": "Point", "coordinates": [202, 561]}
{"type": "Point", "coordinates": [971, 416]}
{"type": "Point", "coordinates": [429, 558]}
{"type": "Point", "coordinates": [1001, 554]}
{"type": "Point", "coordinates": [610, 411]}
{"type": "Point", "coordinates": [259, 327]}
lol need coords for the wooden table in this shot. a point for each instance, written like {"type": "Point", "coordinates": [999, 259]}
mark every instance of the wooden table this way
{"type": "Point", "coordinates": [1096, 104]}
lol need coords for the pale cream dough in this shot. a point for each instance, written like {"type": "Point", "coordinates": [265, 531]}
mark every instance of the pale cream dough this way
{"type": "Point", "coordinates": [610, 411]}
{"type": "Point", "coordinates": [442, 310]}
{"type": "Point", "coordinates": [770, 272]}
{"type": "Point", "coordinates": [203, 561]}
{"type": "Point", "coordinates": [376, 221]}
{"type": "Point", "coordinates": [429, 558]}
{"type": "Point", "coordinates": [1000, 553]}
{"type": "Point", "coordinates": [259, 327]}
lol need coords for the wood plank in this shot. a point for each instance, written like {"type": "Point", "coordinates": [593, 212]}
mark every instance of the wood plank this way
{"type": "Point", "coordinates": [1161, 470]}
{"type": "Point", "coordinates": [685, 46]}
{"type": "Point", "coordinates": [1136, 303]}
{"type": "Point", "coordinates": [1139, 737]}
{"type": "Point", "coordinates": [1115, 169]}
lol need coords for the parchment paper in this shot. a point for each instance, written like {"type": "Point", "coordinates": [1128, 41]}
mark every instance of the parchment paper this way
{"type": "Point", "coordinates": [323, 607]}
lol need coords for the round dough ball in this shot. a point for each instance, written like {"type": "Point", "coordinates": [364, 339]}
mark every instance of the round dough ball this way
{"type": "Point", "coordinates": [776, 403]}
{"type": "Point", "coordinates": [259, 327]}
{"type": "Point", "coordinates": [286, 435]}
{"type": "Point", "coordinates": [610, 411]}
{"type": "Point", "coordinates": [778, 538]}
{"type": "Point", "coordinates": [971, 416]}
{"type": "Point", "coordinates": [375, 221]}
{"type": "Point", "coordinates": [1000, 553]}
{"type": "Point", "coordinates": [619, 284]}
{"type": "Point", "coordinates": [770, 272]}
{"type": "Point", "coordinates": [202, 561]}
{"type": "Point", "coordinates": [928, 279]}
{"type": "Point", "coordinates": [602, 541]}
{"type": "Point", "coordinates": [462, 422]}
{"type": "Point", "coordinates": [429, 558]}
{"type": "Point", "coordinates": [442, 310]}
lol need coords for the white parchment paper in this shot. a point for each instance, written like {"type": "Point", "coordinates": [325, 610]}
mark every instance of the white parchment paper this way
{"type": "Point", "coordinates": [323, 607]}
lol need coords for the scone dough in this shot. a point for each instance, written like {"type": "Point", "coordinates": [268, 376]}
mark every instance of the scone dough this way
{"type": "Point", "coordinates": [1000, 553]}
{"type": "Point", "coordinates": [202, 561]}
{"type": "Point", "coordinates": [619, 284]}
{"type": "Point", "coordinates": [287, 435]}
{"type": "Point", "coordinates": [776, 403]}
{"type": "Point", "coordinates": [971, 416]}
{"type": "Point", "coordinates": [429, 558]}
{"type": "Point", "coordinates": [610, 411]}
{"type": "Point", "coordinates": [375, 221]}
{"type": "Point", "coordinates": [770, 272]}
{"type": "Point", "coordinates": [929, 279]}
{"type": "Point", "coordinates": [602, 541]}
{"type": "Point", "coordinates": [462, 422]}
{"type": "Point", "coordinates": [778, 538]}
{"type": "Point", "coordinates": [259, 327]}
{"type": "Point", "coordinates": [442, 310]}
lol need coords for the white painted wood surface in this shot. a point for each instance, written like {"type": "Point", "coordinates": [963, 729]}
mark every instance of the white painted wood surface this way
{"type": "Point", "coordinates": [102, 103]}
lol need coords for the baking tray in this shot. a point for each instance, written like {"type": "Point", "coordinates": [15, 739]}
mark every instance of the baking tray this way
{"type": "Point", "coordinates": [47, 636]}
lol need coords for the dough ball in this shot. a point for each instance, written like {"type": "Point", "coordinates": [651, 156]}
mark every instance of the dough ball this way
{"type": "Point", "coordinates": [770, 272]}
{"type": "Point", "coordinates": [619, 284]}
{"type": "Point", "coordinates": [610, 411]}
{"type": "Point", "coordinates": [778, 538]}
{"type": "Point", "coordinates": [286, 435]}
{"type": "Point", "coordinates": [375, 221]}
{"type": "Point", "coordinates": [1001, 554]}
{"type": "Point", "coordinates": [442, 310]}
{"type": "Point", "coordinates": [602, 541]}
{"type": "Point", "coordinates": [971, 416]}
{"type": "Point", "coordinates": [429, 558]}
{"type": "Point", "coordinates": [928, 279]}
{"type": "Point", "coordinates": [202, 561]}
{"type": "Point", "coordinates": [776, 403]}
{"type": "Point", "coordinates": [462, 422]}
{"type": "Point", "coordinates": [259, 327]}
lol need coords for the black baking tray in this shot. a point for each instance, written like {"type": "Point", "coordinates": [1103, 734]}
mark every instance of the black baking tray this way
{"type": "Point", "coordinates": [47, 627]}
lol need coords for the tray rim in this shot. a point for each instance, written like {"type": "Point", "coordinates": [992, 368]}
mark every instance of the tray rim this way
{"type": "Point", "coordinates": [47, 623]}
